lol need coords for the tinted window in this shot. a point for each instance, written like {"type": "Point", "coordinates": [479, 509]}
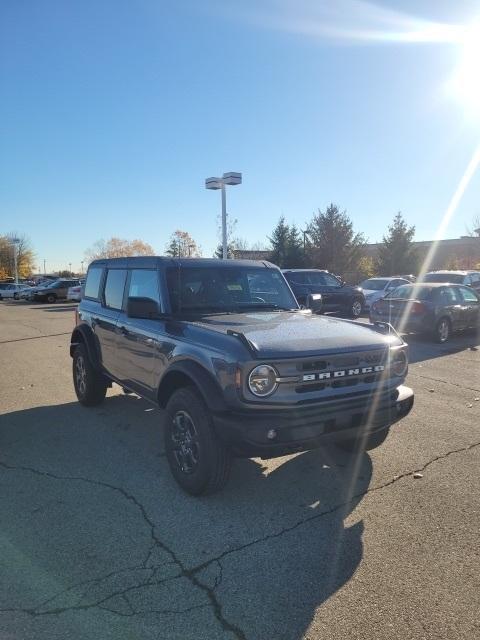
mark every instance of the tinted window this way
{"type": "Point", "coordinates": [297, 278]}
{"type": "Point", "coordinates": [468, 294]}
{"type": "Point", "coordinates": [330, 280]}
{"type": "Point", "coordinates": [144, 284]}
{"type": "Point", "coordinates": [114, 287]}
{"type": "Point", "coordinates": [475, 278]}
{"type": "Point", "coordinates": [92, 286]}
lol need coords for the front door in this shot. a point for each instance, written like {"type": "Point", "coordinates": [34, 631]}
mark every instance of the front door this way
{"type": "Point", "coordinates": [140, 339]}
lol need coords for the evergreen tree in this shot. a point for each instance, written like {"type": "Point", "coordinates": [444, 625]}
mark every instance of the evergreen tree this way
{"type": "Point", "coordinates": [295, 255]}
{"type": "Point", "coordinates": [280, 242]}
{"type": "Point", "coordinates": [397, 253]}
{"type": "Point", "coordinates": [333, 243]}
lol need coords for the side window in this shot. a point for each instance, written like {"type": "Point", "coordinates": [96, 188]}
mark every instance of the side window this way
{"type": "Point", "coordinates": [114, 287]}
{"type": "Point", "coordinates": [297, 278]}
{"type": "Point", "coordinates": [317, 279]}
{"type": "Point", "coordinates": [467, 280]}
{"type": "Point", "coordinates": [92, 285]}
{"type": "Point", "coordinates": [448, 295]}
{"type": "Point", "coordinates": [144, 284]}
{"type": "Point", "coordinates": [469, 295]}
{"type": "Point", "coordinates": [330, 280]}
{"type": "Point", "coordinates": [475, 278]}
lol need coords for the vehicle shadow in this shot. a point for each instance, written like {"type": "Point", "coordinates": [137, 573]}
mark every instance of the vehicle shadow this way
{"type": "Point", "coordinates": [276, 534]}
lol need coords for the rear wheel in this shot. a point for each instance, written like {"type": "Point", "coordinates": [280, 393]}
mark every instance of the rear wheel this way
{"type": "Point", "coordinates": [16, 296]}
{"type": "Point", "coordinates": [356, 308]}
{"type": "Point", "coordinates": [443, 330]}
{"type": "Point", "coordinates": [199, 461]}
{"type": "Point", "coordinates": [90, 385]}
{"type": "Point", "coordinates": [51, 298]}
{"type": "Point", "coordinates": [372, 441]}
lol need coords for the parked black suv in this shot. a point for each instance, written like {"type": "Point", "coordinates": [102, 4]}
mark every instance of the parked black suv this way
{"type": "Point", "coordinates": [240, 369]}
{"type": "Point", "coordinates": [336, 295]}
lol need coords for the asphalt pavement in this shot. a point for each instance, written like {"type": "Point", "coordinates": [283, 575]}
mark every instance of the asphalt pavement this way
{"type": "Point", "coordinates": [97, 542]}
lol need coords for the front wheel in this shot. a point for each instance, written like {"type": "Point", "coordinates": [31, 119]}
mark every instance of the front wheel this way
{"type": "Point", "coordinates": [90, 385]}
{"type": "Point", "coordinates": [355, 309]}
{"type": "Point", "coordinates": [367, 443]}
{"type": "Point", "coordinates": [443, 330]}
{"type": "Point", "coordinates": [199, 461]}
{"type": "Point", "coordinates": [15, 296]}
{"type": "Point", "coordinates": [51, 298]}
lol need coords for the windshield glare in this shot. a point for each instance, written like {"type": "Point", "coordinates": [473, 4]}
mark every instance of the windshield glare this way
{"type": "Point", "coordinates": [373, 284]}
{"type": "Point", "coordinates": [214, 289]}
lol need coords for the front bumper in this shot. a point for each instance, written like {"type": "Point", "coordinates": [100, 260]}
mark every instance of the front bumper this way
{"type": "Point", "coordinates": [307, 427]}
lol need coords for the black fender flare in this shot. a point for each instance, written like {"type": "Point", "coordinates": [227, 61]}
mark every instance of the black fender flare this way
{"type": "Point", "coordinates": [82, 334]}
{"type": "Point", "coordinates": [186, 372]}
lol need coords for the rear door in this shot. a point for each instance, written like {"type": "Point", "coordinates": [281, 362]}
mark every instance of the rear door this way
{"type": "Point", "coordinates": [105, 321]}
{"type": "Point", "coordinates": [449, 302]}
{"type": "Point", "coordinates": [329, 287]}
{"type": "Point", "coordinates": [471, 306]}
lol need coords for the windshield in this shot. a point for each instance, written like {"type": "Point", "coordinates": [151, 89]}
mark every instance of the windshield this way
{"type": "Point", "coordinates": [220, 289]}
{"type": "Point", "coordinates": [456, 278]}
{"type": "Point", "coordinates": [410, 292]}
{"type": "Point", "coordinates": [374, 284]}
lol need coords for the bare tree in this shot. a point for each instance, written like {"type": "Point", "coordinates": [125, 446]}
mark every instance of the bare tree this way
{"type": "Point", "coordinates": [25, 255]}
{"type": "Point", "coordinates": [118, 248]}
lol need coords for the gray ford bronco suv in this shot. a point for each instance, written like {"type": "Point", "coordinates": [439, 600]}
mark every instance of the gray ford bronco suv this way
{"type": "Point", "coordinates": [240, 368]}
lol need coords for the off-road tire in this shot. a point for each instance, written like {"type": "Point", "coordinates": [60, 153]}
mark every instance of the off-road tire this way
{"type": "Point", "coordinates": [211, 470]}
{"type": "Point", "coordinates": [90, 385]}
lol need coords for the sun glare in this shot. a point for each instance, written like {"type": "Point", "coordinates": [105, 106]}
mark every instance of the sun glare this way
{"type": "Point", "coordinates": [465, 84]}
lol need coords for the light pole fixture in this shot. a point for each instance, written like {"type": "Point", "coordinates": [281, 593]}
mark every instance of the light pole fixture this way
{"type": "Point", "coordinates": [230, 178]}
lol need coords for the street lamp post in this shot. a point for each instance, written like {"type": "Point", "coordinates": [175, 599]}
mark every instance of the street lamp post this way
{"type": "Point", "coordinates": [230, 178]}
{"type": "Point", "coordinates": [15, 242]}
{"type": "Point", "coordinates": [81, 262]}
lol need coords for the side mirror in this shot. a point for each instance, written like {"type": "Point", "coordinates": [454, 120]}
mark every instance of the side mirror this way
{"type": "Point", "coordinates": [142, 308]}
{"type": "Point", "coordinates": [314, 302]}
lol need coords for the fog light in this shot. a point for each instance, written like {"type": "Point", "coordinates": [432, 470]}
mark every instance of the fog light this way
{"type": "Point", "coordinates": [271, 434]}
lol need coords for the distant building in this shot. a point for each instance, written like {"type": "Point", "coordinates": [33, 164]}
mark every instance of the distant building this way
{"type": "Point", "coordinates": [462, 253]}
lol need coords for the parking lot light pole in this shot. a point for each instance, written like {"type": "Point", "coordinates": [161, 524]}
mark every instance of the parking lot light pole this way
{"type": "Point", "coordinates": [15, 242]}
{"type": "Point", "coordinates": [231, 178]}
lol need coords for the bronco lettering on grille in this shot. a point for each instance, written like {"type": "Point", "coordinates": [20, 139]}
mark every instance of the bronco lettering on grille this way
{"type": "Point", "coordinates": [342, 373]}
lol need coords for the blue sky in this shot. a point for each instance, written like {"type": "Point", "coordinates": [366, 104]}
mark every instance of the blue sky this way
{"type": "Point", "coordinates": [113, 113]}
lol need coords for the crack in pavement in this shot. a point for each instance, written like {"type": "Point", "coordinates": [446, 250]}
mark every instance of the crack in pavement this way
{"type": "Point", "coordinates": [326, 512]}
{"type": "Point", "coordinates": [156, 542]}
{"type": "Point", "coordinates": [51, 335]}
{"type": "Point", "coordinates": [455, 384]}
{"type": "Point", "coordinates": [192, 573]}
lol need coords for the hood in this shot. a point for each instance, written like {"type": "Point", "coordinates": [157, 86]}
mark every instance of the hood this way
{"type": "Point", "coordinates": [283, 335]}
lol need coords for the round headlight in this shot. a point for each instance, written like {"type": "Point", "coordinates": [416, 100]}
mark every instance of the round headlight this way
{"type": "Point", "coordinates": [399, 363]}
{"type": "Point", "coordinates": [262, 380]}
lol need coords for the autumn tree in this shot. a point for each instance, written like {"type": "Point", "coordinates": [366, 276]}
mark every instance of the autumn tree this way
{"type": "Point", "coordinates": [397, 253]}
{"type": "Point", "coordinates": [118, 248]}
{"type": "Point", "coordinates": [333, 243]}
{"type": "Point", "coordinates": [182, 245]}
{"type": "Point", "coordinates": [25, 256]}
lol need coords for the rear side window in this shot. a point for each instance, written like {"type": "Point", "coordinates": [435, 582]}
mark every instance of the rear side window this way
{"type": "Point", "coordinates": [144, 284]}
{"type": "Point", "coordinates": [468, 294]}
{"type": "Point", "coordinates": [92, 285]}
{"type": "Point", "coordinates": [114, 287]}
{"type": "Point", "coordinates": [448, 296]}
